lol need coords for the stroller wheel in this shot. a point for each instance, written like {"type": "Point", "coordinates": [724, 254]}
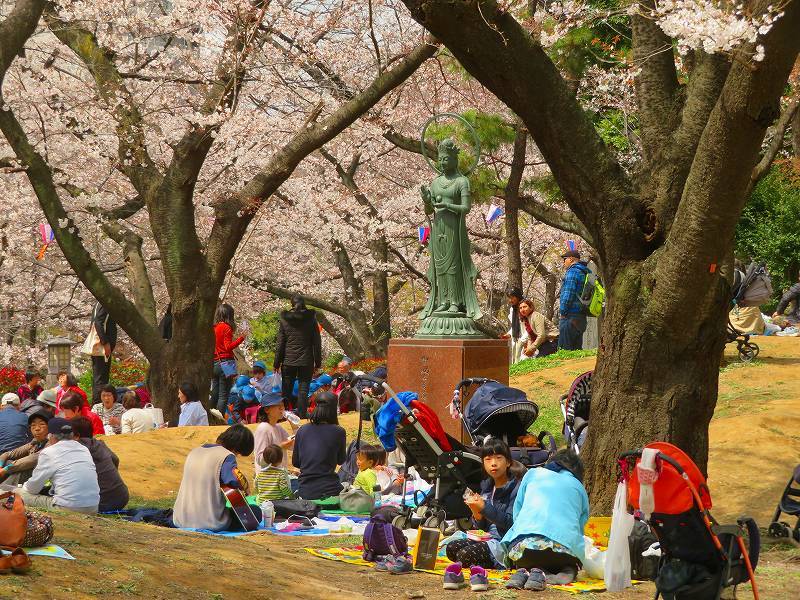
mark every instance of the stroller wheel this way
{"type": "Point", "coordinates": [779, 530]}
{"type": "Point", "coordinates": [401, 522]}
{"type": "Point", "coordinates": [436, 522]}
{"type": "Point", "coordinates": [748, 352]}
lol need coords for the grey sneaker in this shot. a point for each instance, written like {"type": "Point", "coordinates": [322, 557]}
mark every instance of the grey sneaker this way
{"type": "Point", "coordinates": [478, 580]}
{"type": "Point", "coordinates": [536, 580]}
{"type": "Point", "coordinates": [453, 577]}
{"type": "Point", "coordinates": [517, 580]}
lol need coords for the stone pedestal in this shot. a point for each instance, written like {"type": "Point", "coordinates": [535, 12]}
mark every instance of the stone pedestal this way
{"type": "Point", "coordinates": [433, 367]}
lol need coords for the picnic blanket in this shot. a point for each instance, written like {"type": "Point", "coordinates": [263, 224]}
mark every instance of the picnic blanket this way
{"type": "Point", "coordinates": [51, 551]}
{"type": "Point", "coordinates": [352, 556]}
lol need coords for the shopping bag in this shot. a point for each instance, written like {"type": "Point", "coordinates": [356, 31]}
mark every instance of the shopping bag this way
{"type": "Point", "coordinates": [92, 346]}
{"type": "Point", "coordinates": [156, 414]}
{"type": "Point", "coordinates": [617, 568]}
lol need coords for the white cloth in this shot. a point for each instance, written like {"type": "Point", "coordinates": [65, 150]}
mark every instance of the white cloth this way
{"type": "Point", "coordinates": [192, 413]}
{"type": "Point", "coordinates": [266, 435]}
{"type": "Point", "coordinates": [69, 467]}
{"type": "Point", "coordinates": [137, 420]}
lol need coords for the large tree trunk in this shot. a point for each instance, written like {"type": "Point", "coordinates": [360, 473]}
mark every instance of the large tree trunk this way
{"type": "Point", "coordinates": [192, 339]}
{"type": "Point", "coordinates": [653, 381]}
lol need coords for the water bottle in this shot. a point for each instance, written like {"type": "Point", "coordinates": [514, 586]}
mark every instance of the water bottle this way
{"type": "Point", "coordinates": [376, 493]}
{"type": "Point", "coordinates": [291, 417]}
{"type": "Point", "coordinates": [267, 514]}
{"type": "Point", "coordinates": [108, 429]}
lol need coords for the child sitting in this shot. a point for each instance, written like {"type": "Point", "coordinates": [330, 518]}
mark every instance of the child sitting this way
{"type": "Point", "coordinates": [367, 458]}
{"type": "Point", "coordinates": [272, 482]}
{"type": "Point", "coordinates": [389, 478]}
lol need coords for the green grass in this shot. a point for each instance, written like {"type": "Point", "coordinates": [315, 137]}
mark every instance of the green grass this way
{"type": "Point", "coordinates": [741, 365]}
{"type": "Point", "coordinates": [549, 419]}
{"type": "Point", "coordinates": [533, 365]}
{"type": "Point", "coordinates": [139, 502]}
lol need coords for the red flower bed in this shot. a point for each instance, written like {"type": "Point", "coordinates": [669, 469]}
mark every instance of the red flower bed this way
{"type": "Point", "coordinates": [10, 379]}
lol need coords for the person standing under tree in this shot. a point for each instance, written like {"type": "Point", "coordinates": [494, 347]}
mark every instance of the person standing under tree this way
{"type": "Point", "coordinates": [224, 361]}
{"type": "Point", "coordinates": [106, 329]}
{"type": "Point", "coordinates": [298, 352]}
{"type": "Point", "coordinates": [572, 312]}
{"type": "Point", "coordinates": [514, 297]}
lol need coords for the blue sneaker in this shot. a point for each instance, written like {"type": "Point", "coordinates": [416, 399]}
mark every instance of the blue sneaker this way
{"type": "Point", "coordinates": [401, 565]}
{"type": "Point", "coordinates": [453, 577]}
{"type": "Point", "coordinates": [517, 580]}
{"type": "Point", "coordinates": [478, 580]}
{"type": "Point", "coordinates": [382, 562]}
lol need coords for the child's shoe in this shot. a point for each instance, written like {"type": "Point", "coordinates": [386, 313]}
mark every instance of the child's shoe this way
{"type": "Point", "coordinates": [517, 580]}
{"type": "Point", "coordinates": [401, 565]}
{"type": "Point", "coordinates": [478, 580]}
{"type": "Point", "coordinates": [536, 580]}
{"type": "Point", "coordinates": [453, 577]}
{"type": "Point", "coordinates": [382, 562]}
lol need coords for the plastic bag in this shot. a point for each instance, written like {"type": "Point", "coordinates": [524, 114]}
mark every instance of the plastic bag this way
{"type": "Point", "coordinates": [156, 414]}
{"type": "Point", "coordinates": [594, 564]}
{"type": "Point", "coordinates": [617, 569]}
{"type": "Point", "coordinates": [276, 382]}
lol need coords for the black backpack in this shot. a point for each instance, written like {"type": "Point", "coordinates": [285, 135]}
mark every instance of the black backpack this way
{"type": "Point", "coordinates": [640, 539]}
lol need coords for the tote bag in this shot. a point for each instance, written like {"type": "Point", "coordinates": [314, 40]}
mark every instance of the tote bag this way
{"type": "Point", "coordinates": [92, 345]}
{"type": "Point", "coordinates": [156, 414]}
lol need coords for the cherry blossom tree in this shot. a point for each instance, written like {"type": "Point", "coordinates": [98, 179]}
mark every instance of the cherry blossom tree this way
{"type": "Point", "coordinates": [662, 227]}
{"type": "Point", "coordinates": [194, 113]}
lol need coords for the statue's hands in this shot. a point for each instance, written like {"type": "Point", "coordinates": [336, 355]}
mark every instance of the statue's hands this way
{"type": "Point", "coordinates": [425, 192]}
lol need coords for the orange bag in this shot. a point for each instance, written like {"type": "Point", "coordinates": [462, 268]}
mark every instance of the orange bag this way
{"type": "Point", "coordinates": [13, 522]}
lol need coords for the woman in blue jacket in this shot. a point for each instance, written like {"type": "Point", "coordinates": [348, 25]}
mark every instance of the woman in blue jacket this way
{"type": "Point", "coordinates": [545, 541]}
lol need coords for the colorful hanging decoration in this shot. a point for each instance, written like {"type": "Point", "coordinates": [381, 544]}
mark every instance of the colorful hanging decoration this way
{"type": "Point", "coordinates": [47, 236]}
{"type": "Point", "coordinates": [494, 213]}
{"type": "Point", "coordinates": [571, 245]}
{"type": "Point", "coordinates": [424, 233]}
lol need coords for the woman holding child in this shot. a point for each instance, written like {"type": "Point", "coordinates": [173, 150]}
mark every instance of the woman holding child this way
{"type": "Point", "coordinates": [319, 447]}
{"type": "Point", "coordinates": [269, 431]}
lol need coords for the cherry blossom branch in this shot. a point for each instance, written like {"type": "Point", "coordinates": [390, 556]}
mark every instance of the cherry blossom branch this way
{"type": "Point", "coordinates": [560, 219]}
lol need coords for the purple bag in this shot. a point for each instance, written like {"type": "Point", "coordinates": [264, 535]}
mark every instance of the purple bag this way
{"type": "Point", "coordinates": [382, 538]}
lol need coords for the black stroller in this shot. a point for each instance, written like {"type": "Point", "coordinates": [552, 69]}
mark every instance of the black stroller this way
{"type": "Point", "coordinates": [789, 504]}
{"type": "Point", "coordinates": [575, 406]}
{"type": "Point", "coordinates": [496, 410]}
{"type": "Point", "coordinates": [750, 288]}
{"type": "Point", "coordinates": [450, 472]}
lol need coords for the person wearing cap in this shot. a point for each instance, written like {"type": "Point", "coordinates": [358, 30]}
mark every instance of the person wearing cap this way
{"type": "Point", "coordinates": [16, 465]}
{"type": "Point", "coordinates": [269, 431]}
{"type": "Point", "coordinates": [46, 401]}
{"type": "Point", "coordinates": [572, 313]}
{"type": "Point", "coordinates": [69, 468]}
{"type": "Point", "coordinates": [14, 430]}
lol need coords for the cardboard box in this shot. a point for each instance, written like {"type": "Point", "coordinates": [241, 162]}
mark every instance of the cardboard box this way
{"type": "Point", "coordinates": [427, 548]}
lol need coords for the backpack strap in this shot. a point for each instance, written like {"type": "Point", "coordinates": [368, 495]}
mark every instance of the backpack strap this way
{"type": "Point", "coordinates": [388, 532]}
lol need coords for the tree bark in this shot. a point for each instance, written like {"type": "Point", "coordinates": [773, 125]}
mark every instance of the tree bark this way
{"type": "Point", "coordinates": [514, 257]}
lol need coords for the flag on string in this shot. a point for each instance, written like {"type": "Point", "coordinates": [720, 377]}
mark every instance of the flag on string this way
{"type": "Point", "coordinates": [424, 233]}
{"type": "Point", "coordinates": [46, 232]}
{"type": "Point", "coordinates": [571, 245]}
{"type": "Point", "coordinates": [494, 213]}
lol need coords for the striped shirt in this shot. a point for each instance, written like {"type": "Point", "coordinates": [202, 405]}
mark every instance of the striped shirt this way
{"type": "Point", "coordinates": [272, 483]}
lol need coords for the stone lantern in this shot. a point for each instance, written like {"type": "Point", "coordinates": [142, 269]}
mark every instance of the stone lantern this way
{"type": "Point", "coordinates": [59, 358]}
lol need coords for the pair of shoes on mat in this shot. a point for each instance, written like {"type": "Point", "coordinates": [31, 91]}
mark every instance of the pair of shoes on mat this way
{"type": "Point", "coordinates": [522, 579]}
{"type": "Point", "coordinates": [396, 565]}
{"type": "Point", "coordinates": [454, 578]}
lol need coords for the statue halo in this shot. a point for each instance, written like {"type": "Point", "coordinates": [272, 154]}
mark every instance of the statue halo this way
{"type": "Point", "coordinates": [469, 127]}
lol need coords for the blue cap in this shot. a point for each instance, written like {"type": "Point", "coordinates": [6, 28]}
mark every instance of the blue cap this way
{"type": "Point", "coordinates": [242, 381]}
{"type": "Point", "coordinates": [324, 379]}
{"type": "Point", "coordinates": [248, 393]}
{"type": "Point", "coordinates": [271, 399]}
{"type": "Point", "coordinates": [259, 364]}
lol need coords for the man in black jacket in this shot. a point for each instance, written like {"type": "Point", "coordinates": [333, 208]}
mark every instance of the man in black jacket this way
{"type": "Point", "coordinates": [791, 295]}
{"type": "Point", "coordinates": [106, 329]}
{"type": "Point", "coordinates": [298, 353]}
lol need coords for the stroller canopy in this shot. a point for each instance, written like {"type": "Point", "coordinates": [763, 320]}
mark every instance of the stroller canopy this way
{"type": "Point", "coordinates": [500, 411]}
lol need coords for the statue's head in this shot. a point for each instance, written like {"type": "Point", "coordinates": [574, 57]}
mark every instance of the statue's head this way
{"type": "Point", "coordinates": [448, 156]}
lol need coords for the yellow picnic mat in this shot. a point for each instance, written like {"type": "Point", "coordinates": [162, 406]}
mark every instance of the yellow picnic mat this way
{"type": "Point", "coordinates": [352, 556]}
{"type": "Point", "coordinates": [597, 528]}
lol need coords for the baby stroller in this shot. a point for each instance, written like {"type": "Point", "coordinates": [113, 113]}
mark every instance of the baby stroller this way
{"type": "Point", "coordinates": [575, 411]}
{"type": "Point", "coordinates": [789, 504]}
{"type": "Point", "coordinates": [699, 557]}
{"type": "Point", "coordinates": [440, 459]}
{"type": "Point", "coordinates": [496, 410]}
{"type": "Point", "coordinates": [750, 288]}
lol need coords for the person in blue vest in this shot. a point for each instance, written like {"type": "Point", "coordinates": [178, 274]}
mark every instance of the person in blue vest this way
{"type": "Point", "coordinates": [572, 312]}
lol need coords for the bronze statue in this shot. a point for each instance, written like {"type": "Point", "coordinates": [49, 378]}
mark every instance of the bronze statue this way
{"type": "Point", "coordinates": [452, 305]}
